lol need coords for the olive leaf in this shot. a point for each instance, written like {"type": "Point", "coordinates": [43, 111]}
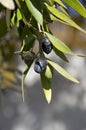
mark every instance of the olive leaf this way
{"type": "Point", "coordinates": [46, 77]}
{"type": "Point", "coordinates": [60, 54]}
{"type": "Point", "coordinates": [46, 84]}
{"type": "Point", "coordinates": [60, 3]}
{"type": "Point", "coordinates": [64, 17]}
{"type": "Point", "coordinates": [35, 12]}
{"type": "Point", "coordinates": [62, 71]}
{"type": "Point", "coordinates": [77, 6]}
{"type": "Point", "coordinates": [24, 74]}
{"type": "Point", "coordinates": [49, 71]}
{"type": "Point", "coordinates": [59, 44]}
{"type": "Point", "coordinates": [53, 18]}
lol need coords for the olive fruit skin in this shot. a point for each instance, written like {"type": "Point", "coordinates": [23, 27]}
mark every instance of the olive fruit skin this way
{"type": "Point", "coordinates": [40, 65]}
{"type": "Point", "coordinates": [46, 45]}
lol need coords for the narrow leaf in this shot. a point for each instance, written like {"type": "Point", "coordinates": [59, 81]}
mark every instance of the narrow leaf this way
{"type": "Point", "coordinates": [64, 11]}
{"type": "Point", "coordinates": [19, 16]}
{"type": "Point", "coordinates": [64, 17]}
{"type": "Point", "coordinates": [60, 54]}
{"type": "Point", "coordinates": [53, 18]}
{"type": "Point", "coordinates": [23, 78]}
{"type": "Point", "coordinates": [60, 3]}
{"type": "Point", "coordinates": [46, 84]}
{"type": "Point", "coordinates": [36, 14]}
{"type": "Point", "coordinates": [62, 71]}
{"type": "Point", "coordinates": [77, 6]}
{"type": "Point", "coordinates": [59, 44]}
{"type": "Point", "coordinates": [49, 71]}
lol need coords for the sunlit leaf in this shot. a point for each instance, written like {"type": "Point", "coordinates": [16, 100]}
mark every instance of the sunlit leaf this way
{"type": "Point", "coordinates": [64, 11]}
{"type": "Point", "coordinates": [13, 19]}
{"type": "Point", "coordinates": [64, 17]}
{"type": "Point", "coordinates": [49, 72]}
{"type": "Point", "coordinates": [36, 14]}
{"type": "Point", "coordinates": [59, 44]}
{"type": "Point", "coordinates": [53, 18]}
{"type": "Point", "coordinates": [60, 3]}
{"type": "Point", "coordinates": [46, 84]}
{"type": "Point", "coordinates": [77, 6]}
{"type": "Point", "coordinates": [19, 16]}
{"type": "Point", "coordinates": [62, 71]}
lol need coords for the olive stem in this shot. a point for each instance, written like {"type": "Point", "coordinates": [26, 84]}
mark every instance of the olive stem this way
{"type": "Point", "coordinates": [40, 37]}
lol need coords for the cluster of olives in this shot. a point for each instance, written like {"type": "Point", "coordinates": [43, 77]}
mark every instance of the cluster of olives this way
{"type": "Point", "coordinates": [41, 63]}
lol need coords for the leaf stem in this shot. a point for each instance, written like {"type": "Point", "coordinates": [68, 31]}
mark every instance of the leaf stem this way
{"type": "Point", "coordinates": [23, 78]}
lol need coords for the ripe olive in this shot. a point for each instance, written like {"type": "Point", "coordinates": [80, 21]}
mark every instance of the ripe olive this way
{"type": "Point", "coordinates": [40, 65]}
{"type": "Point", "coordinates": [46, 45]}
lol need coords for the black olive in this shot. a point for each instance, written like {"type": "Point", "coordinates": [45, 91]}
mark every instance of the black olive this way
{"type": "Point", "coordinates": [46, 45]}
{"type": "Point", "coordinates": [40, 65]}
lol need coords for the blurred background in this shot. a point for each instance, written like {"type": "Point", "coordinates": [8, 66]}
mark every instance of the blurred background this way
{"type": "Point", "coordinates": [67, 110]}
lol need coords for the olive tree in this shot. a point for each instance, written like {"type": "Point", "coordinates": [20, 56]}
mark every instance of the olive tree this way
{"type": "Point", "coordinates": [32, 18]}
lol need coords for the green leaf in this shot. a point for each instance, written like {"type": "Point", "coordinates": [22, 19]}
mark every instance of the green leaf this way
{"type": "Point", "coordinates": [64, 11]}
{"type": "Point", "coordinates": [46, 84]}
{"type": "Point", "coordinates": [49, 71]}
{"type": "Point", "coordinates": [77, 6]}
{"type": "Point", "coordinates": [60, 54]}
{"type": "Point", "coordinates": [19, 16]}
{"type": "Point", "coordinates": [62, 71]}
{"type": "Point", "coordinates": [60, 3]}
{"type": "Point", "coordinates": [13, 19]}
{"type": "Point", "coordinates": [53, 18]}
{"type": "Point", "coordinates": [23, 78]}
{"type": "Point", "coordinates": [64, 17]}
{"type": "Point", "coordinates": [26, 15]}
{"type": "Point", "coordinates": [36, 14]}
{"type": "Point", "coordinates": [59, 44]}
